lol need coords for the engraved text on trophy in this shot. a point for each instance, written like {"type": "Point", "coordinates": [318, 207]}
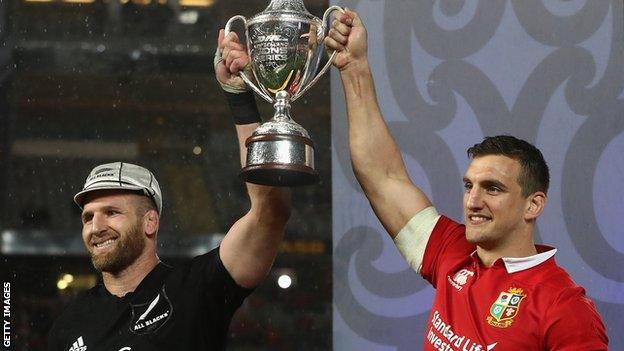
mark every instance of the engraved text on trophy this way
{"type": "Point", "coordinates": [279, 55]}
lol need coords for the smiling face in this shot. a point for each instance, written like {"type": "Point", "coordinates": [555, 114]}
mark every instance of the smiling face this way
{"type": "Point", "coordinates": [112, 230]}
{"type": "Point", "coordinates": [495, 211]}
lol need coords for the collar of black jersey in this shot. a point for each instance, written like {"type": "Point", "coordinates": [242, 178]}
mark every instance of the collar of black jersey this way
{"type": "Point", "coordinates": [144, 292]}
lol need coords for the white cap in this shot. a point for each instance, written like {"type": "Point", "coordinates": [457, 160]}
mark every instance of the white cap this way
{"type": "Point", "coordinates": [123, 176]}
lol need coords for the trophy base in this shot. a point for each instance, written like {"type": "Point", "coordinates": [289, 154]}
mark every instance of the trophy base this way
{"type": "Point", "coordinates": [279, 160]}
{"type": "Point", "coordinates": [279, 175]}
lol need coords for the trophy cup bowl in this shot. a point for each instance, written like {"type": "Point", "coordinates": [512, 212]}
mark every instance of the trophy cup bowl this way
{"type": "Point", "coordinates": [285, 46]}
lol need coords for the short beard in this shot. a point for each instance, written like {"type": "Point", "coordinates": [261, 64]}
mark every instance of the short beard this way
{"type": "Point", "coordinates": [129, 248]}
{"type": "Point", "coordinates": [483, 241]}
{"type": "Point", "coordinates": [476, 238]}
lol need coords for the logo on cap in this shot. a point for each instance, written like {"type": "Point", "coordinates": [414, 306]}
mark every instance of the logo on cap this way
{"type": "Point", "coordinates": [103, 170]}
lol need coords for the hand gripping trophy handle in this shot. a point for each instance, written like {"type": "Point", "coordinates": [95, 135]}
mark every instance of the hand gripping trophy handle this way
{"type": "Point", "coordinates": [246, 79]}
{"type": "Point", "coordinates": [325, 29]}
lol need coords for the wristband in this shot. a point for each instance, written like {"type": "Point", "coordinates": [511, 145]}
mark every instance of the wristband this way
{"type": "Point", "coordinates": [243, 107]}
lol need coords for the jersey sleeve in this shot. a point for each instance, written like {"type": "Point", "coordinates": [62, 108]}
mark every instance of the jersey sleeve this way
{"type": "Point", "coordinates": [573, 323]}
{"type": "Point", "coordinates": [446, 247]}
{"type": "Point", "coordinates": [219, 286]}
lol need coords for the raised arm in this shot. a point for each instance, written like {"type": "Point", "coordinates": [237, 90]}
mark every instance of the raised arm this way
{"type": "Point", "coordinates": [250, 246]}
{"type": "Point", "coordinates": [375, 156]}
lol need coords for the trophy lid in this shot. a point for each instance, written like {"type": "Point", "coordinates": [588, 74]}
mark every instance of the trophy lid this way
{"type": "Point", "coordinates": [291, 7]}
{"type": "Point", "coordinates": [286, 5]}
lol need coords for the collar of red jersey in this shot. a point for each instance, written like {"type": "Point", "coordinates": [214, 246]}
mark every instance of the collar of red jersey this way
{"type": "Point", "coordinates": [517, 264]}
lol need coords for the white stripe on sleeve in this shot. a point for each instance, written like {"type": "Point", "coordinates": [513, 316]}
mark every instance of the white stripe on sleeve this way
{"type": "Point", "coordinates": [412, 239]}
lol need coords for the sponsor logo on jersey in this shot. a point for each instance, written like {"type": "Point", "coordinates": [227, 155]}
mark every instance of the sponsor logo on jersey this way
{"type": "Point", "coordinates": [78, 345]}
{"type": "Point", "coordinates": [443, 338]}
{"type": "Point", "coordinates": [150, 316]}
{"type": "Point", "coordinates": [505, 308]}
{"type": "Point", "coordinates": [460, 278]}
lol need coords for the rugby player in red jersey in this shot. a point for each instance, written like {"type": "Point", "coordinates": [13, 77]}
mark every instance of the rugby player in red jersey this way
{"type": "Point", "coordinates": [495, 289]}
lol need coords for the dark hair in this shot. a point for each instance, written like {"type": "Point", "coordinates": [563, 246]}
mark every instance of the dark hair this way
{"type": "Point", "coordinates": [534, 175]}
{"type": "Point", "coordinates": [144, 204]}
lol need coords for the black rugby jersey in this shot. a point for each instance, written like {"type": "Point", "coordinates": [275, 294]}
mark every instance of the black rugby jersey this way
{"type": "Point", "coordinates": [184, 308]}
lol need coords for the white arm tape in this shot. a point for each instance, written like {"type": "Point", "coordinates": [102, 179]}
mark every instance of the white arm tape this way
{"type": "Point", "coordinates": [228, 87]}
{"type": "Point", "coordinates": [412, 239]}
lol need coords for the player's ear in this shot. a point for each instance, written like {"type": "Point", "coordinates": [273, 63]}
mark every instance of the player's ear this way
{"type": "Point", "coordinates": [151, 221]}
{"type": "Point", "coordinates": [536, 203]}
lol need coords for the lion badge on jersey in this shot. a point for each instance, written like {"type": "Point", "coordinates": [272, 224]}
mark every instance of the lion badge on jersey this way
{"type": "Point", "coordinates": [505, 308]}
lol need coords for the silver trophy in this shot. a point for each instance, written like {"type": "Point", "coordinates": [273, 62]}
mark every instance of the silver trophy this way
{"type": "Point", "coordinates": [285, 45]}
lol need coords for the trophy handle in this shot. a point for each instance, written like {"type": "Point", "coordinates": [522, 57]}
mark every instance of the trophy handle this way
{"type": "Point", "coordinates": [331, 57]}
{"type": "Point", "coordinates": [242, 74]}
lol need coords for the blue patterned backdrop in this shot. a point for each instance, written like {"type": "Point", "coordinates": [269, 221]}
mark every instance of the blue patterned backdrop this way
{"type": "Point", "coordinates": [449, 72]}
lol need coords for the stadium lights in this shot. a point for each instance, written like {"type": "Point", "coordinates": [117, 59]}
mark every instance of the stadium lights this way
{"type": "Point", "coordinates": [285, 277]}
{"type": "Point", "coordinates": [197, 3]}
{"type": "Point", "coordinates": [284, 281]}
{"type": "Point", "coordinates": [77, 283]}
{"type": "Point", "coordinates": [68, 278]}
{"type": "Point", "coordinates": [79, 1]}
{"type": "Point", "coordinates": [183, 3]}
{"type": "Point", "coordinates": [64, 282]}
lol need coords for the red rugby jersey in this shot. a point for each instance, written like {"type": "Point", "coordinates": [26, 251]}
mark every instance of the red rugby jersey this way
{"type": "Point", "coordinates": [517, 304]}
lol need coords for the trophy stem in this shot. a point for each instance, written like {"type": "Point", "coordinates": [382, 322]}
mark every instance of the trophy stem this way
{"type": "Point", "coordinates": [282, 107]}
{"type": "Point", "coordinates": [280, 151]}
